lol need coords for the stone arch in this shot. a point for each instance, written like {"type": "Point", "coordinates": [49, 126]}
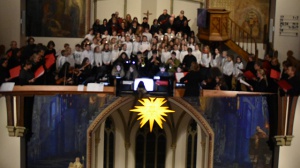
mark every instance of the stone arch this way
{"type": "Point", "coordinates": [196, 115]}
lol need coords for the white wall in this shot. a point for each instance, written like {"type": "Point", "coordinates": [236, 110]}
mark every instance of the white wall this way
{"type": "Point", "coordinates": [134, 8]}
{"type": "Point", "coordinates": [151, 7]}
{"type": "Point", "coordinates": [161, 5]}
{"type": "Point", "coordinates": [10, 27]}
{"type": "Point", "coordinates": [10, 155]}
{"type": "Point", "coordinates": [285, 43]}
{"type": "Point", "coordinates": [106, 8]}
{"type": "Point", "coordinates": [289, 155]}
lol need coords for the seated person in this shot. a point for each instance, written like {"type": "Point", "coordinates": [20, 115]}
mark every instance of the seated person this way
{"type": "Point", "coordinates": [162, 71]}
{"type": "Point", "coordinates": [173, 63]}
{"type": "Point", "coordinates": [132, 73]}
{"type": "Point", "coordinates": [118, 71]}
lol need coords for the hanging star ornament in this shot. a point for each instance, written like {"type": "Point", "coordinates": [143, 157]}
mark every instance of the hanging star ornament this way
{"type": "Point", "coordinates": [152, 110]}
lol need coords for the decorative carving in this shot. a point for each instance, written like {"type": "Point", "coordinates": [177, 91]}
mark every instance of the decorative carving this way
{"type": "Point", "coordinates": [19, 131]}
{"type": "Point", "coordinates": [280, 139]}
{"type": "Point", "coordinates": [11, 131]}
{"type": "Point", "coordinates": [288, 140]}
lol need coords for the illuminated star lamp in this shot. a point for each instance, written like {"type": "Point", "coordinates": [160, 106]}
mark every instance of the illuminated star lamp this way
{"type": "Point", "coordinates": [152, 110]}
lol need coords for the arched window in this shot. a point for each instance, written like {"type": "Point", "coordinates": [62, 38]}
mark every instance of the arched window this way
{"type": "Point", "coordinates": [150, 150]}
{"type": "Point", "coordinates": [191, 144]}
{"type": "Point", "coordinates": [109, 143]}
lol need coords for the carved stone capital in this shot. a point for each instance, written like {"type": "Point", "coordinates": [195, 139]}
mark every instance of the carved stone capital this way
{"type": "Point", "coordinates": [11, 131]}
{"type": "Point", "coordinates": [280, 140]}
{"type": "Point", "coordinates": [288, 140]}
{"type": "Point", "coordinates": [20, 131]}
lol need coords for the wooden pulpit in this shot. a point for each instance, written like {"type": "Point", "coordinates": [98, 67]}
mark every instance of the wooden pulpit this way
{"type": "Point", "coordinates": [216, 28]}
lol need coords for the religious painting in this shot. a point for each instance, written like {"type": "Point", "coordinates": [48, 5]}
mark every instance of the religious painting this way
{"type": "Point", "coordinates": [57, 18]}
{"type": "Point", "coordinates": [59, 129]}
{"type": "Point", "coordinates": [253, 16]}
{"type": "Point", "coordinates": [241, 127]}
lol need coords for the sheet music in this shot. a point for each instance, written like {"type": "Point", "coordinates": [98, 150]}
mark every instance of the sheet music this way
{"type": "Point", "coordinates": [179, 76]}
{"type": "Point", "coordinates": [7, 86]}
{"type": "Point", "coordinates": [244, 82]}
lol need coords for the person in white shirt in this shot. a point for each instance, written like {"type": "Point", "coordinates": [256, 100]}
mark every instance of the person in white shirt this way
{"type": "Point", "coordinates": [90, 35]}
{"type": "Point", "coordinates": [145, 46]}
{"type": "Point", "coordinates": [106, 55]}
{"type": "Point", "coordinates": [98, 56]}
{"type": "Point", "coordinates": [224, 59]}
{"type": "Point", "coordinates": [95, 43]}
{"type": "Point", "coordinates": [88, 53]}
{"type": "Point", "coordinates": [69, 57]}
{"type": "Point", "coordinates": [237, 73]}
{"type": "Point", "coordinates": [169, 34]}
{"type": "Point", "coordinates": [124, 49]}
{"type": "Point", "coordinates": [112, 44]}
{"type": "Point", "coordinates": [205, 61]}
{"type": "Point", "coordinates": [129, 46]}
{"type": "Point", "coordinates": [165, 55]}
{"type": "Point", "coordinates": [191, 44]}
{"type": "Point", "coordinates": [153, 47]}
{"type": "Point", "coordinates": [227, 70]}
{"type": "Point", "coordinates": [114, 35]}
{"type": "Point", "coordinates": [206, 57]}
{"type": "Point", "coordinates": [217, 60]}
{"type": "Point", "coordinates": [60, 60]}
{"type": "Point", "coordinates": [77, 55]}
{"type": "Point", "coordinates": [176, 50]}
{"type": "Point", "coordinates": [106, 36]}
{"type": "Point", "coordinates": [148, 34]}
{"type": "Point", "coordinates": [183, 53]}
{"type": "Point", "coordinates": [197, 53]}
{"type": "Point", "coordinates": [136, 45]}
{"type": "Point", "coordinates": [115, 53]}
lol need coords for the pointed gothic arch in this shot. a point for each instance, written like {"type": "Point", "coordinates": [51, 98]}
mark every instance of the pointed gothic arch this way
{"type": "Point", "coordinates": [182, 104]}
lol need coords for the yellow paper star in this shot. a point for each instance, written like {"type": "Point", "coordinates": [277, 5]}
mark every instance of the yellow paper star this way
{"type": "Point", "coordinates": [152, 110]}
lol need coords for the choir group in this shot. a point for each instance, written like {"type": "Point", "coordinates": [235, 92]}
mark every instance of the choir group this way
{"type": "Point", "coordinates": [127, 49]}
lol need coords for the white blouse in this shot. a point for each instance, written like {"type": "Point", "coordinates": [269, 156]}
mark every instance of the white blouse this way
{"type": "Point", "coordinates": [205, 59]}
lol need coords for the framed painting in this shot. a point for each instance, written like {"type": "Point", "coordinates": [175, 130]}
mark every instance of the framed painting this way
{"type": "Point", "coordinates": [57, 18]}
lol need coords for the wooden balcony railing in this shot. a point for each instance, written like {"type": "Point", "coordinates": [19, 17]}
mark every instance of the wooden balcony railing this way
{"type": "Point", "coordinates": [241, 37]}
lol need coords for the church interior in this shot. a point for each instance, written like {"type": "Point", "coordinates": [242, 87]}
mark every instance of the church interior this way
{"type": "Point", "coordinates": [57, 126]}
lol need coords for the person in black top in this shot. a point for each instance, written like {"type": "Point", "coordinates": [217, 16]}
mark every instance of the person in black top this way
{"type": "Point", "coordinates": [26, 76]}
{"type": "Point", "coordinates": [15, 60]}
{"type": "Point", "coordinates": [155, 27]}
{"type": "Point", "coordinates": [192, 81]}
{"type": "Point", "coordinates": [294, 81]}
{"type": "Point", "coordinates": [153, 64]}
{"type": "Point", "coordinates": [104, 27]}
{"type": "Point", "coordinates": [4, 72]}
{"type": "Point", "coordinates": [250, 64]}
{"type": "Point", "coordinates": [13, 49]}
{"type": "Point", "coordinates": [188, 59]}
{"type": "Point", "coordinates": [96, 26]}
{"type": "Point", "coordinates": [145, 23]}
{"type": "Point", "coordinates": [260, 84]}
{"type": "Point", "coordinates": [272, 83]}
{"type": "Point", "coordinates": [28, 50]}
{"type": "Point", "coordinates": [163, 19]}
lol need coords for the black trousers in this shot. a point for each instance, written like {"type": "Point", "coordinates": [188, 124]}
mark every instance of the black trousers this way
{"type": "Point", "coordinates": [228, 81]}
